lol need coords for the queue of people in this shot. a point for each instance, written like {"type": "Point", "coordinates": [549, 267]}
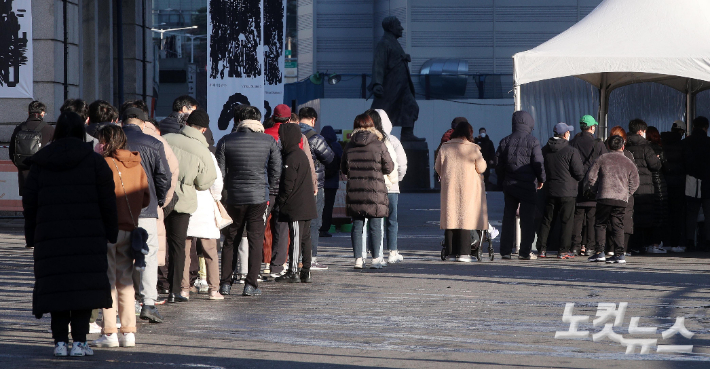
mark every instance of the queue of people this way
{"type": "Point", "coordinates": [135, 200]}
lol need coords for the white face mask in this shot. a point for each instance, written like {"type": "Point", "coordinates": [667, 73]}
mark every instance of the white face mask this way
{"type": "Point", "coordinates": [483, 134]}
{"type": "Point", "coordinates": [643, 135]}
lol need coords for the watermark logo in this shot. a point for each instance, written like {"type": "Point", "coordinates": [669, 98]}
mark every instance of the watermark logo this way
{"type": "Point", "coordinates": [609, 315]}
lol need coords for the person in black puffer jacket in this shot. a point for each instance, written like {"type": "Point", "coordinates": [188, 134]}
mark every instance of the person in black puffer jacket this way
{"type": "Point", "coordinates": [250, 162]}
{"type": "Point", "coordinates": [590, 148]}
{"type": "Point", "coordinates": [564, 170]}
{"type": "Point", "coordinates": [660, 188]}
{"type": "Point", "coordinates": [674, 172]}
{"type": "Point", "coordinates": [365, 162]}
{"type": "Point", "coordinates": [296, 203]}
{"type": "Point", "coordinates": [521, 173]}
{"type": "Point", "coordinates": [332, 179]}
{"type": "Point", "coordinates": [696, 155]}
{"type": "Point", "coordinates": [647, 163]}
{"type": "Point", "coordinates": [70, 214]}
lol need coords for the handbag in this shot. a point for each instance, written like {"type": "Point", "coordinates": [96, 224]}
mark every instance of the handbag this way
{"type": "Point", "coordinates": [221, 216]}
{"type": "Point", "coordinates": [139, 236]}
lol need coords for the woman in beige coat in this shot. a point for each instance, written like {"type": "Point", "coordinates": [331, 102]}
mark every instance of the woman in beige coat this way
{"type": "Point", "coordinates": [460, 165]}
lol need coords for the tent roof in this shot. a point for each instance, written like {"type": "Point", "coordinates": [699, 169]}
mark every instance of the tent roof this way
{"type": "Point", "coordinates": [632, 41]}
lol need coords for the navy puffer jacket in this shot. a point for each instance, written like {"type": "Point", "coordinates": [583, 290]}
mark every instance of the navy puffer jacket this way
{"type": "Point", "coordinates": [520, 166]}
{"type": "Point", "coordinates": [332, 170]}
{"type": "Point", "coordinates": [321, 152]}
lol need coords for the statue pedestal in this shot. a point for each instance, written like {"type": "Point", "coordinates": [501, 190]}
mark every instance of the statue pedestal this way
{"type": "Point", "coordinates": [417, 177]}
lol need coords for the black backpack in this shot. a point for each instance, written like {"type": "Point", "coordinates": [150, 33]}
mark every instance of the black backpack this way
{"type": "Point", "coordinates": [27, 143]}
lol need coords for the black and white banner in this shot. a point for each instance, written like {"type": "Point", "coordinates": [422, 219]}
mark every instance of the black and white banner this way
{"type": "Point", "coordinates": [16, 49]}
{"type": "Point", "coordinates": [245, 41]}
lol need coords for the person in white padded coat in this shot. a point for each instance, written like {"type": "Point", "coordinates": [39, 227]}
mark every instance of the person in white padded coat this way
{"type": "Point", "coordinates": [203, 226]}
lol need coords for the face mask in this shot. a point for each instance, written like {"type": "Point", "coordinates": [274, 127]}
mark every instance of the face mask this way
{"type": "Point", "coordinates": [483, 134]}
{"type": "Point", "coordinates": [643, 135]}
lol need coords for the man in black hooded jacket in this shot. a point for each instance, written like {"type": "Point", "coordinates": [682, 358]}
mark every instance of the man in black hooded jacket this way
{"type": "Point", "coordinates": [296, 203]}
{"type": "Point", "coordinates": [564, 170]}
{"type": "Point", "coordinates": [521, 173]}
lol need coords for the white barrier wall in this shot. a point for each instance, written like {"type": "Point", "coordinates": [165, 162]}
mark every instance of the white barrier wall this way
{"type": "Point", "coordinates": [435, 117]}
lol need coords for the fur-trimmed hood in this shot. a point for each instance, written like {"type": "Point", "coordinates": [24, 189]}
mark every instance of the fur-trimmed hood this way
{"type": "Point", "coordinates": [365, 136]}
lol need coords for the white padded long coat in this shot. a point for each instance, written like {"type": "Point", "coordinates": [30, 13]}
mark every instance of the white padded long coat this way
{"type": "Point", "coordinates": [202, 221]}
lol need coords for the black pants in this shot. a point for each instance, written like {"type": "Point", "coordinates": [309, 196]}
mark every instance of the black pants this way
{"type": "Point", "coordinates": [527, 223]}
{"type": "Point", "coordinates": [328, 209]}
{"type": "Point", "coordinates": [675, 235]}
{"type": "Point", "coordinates": [279, 239]}
{"type": "Point", "coordinates": [79, 320]}
{"type": "Point", "coordinates": [300, 233]}
{"type": "Point", "coordinates": [692, 209]}
{"type": "Point", "coordinates": [610, 219]}
{"type": "Point", "coordinates": [457, 241]}
{"type": "Point", "coordinates": [561, 208]}
{"type": "Point", "coordinates": [229, 253]}
{"type": "Point", "coordinates": [176, 234]}
{"type": "Point", "coordinates": [254, 217]}
{"type": "Point", "coordinates": [583, 229]}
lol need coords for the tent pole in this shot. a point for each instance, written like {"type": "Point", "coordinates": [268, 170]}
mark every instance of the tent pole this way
{"type": "Point", "coordinates": [516, 92]}
{"type": "Point", "coordinates": [689, 106]}
{"type": "Point", "coordinates": [603, 108]}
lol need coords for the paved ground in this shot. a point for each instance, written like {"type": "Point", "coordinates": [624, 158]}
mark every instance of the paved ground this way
{"type": "Point", "coordinates": [423, 313]}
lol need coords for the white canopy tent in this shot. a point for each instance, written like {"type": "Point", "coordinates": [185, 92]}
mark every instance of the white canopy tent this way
{"type": "Point", "coordinates": [628, 41]}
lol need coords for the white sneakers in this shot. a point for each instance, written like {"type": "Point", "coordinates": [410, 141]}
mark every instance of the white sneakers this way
{"type": "Point", "coordinates": [359, 262]}
{"type": "Point", "coordinates": [127, 339]}
{"type": "Point", "coordinates": [378, 263]}
{"type": "Point", "coordinates": [394, 257]}
{"type": "Point", "coordinates": [79, 349]}
{"type": "Point", "coordinates": [106, 340]}
{"type": "Point", "coordinates": [677, 249]}
{"type": "Point", "coordinates": [464, 259]}
{"type": "Point", "coordinates": [94, 328]}
{"type": "Point", "coordinates": [655, 249]}
{"type": "Point", "coordinates": [60, 349]}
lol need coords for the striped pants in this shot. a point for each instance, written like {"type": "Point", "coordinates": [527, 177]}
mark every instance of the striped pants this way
{"type": "Point", "coordinates": [300, 232]}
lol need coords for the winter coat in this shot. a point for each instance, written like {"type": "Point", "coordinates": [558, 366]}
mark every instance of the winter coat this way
{"type": "Point", "coordinates": [460, 165]}
{"type": "Point", "coordinates": [170, 157]}
{"type": "Point", "coordinates": [47, 134]}
{"type": "Point", "coordinates": [396, 151]}
{"type": "Point", "coordinates": [320, 150]}
{"type": "Point", "coordinates": [295, 200]}
{"type": "Point", "coordinates": [197, 170]}
{"type": "Point", "coordinates": [171, 124]}
{"type": "Point", "coordinates": [130, 181]}
{"type": "Point", "coordinates": [155, 165]}
{"type": "Point", "coordinates": [487, 148]}
{"type": "Point", "coordinates": [563, 167]}
{"type": "Point", "coordinates": [613, 176]}
{"type": "Point", "coordinates": [629, 214]}
{"type": "Point", "coordinates": [365, 162]}
{"type": "Point", "coordinates": [590, 149]}
{"type": "Point", "coordinates": [202, 221]}
{"type": "Point", "coordinates": [274, 132]}
{"type": "Point", "coordinates": [647, 164]}
{"type": "Point", "coordinates": [520, 166]}
{"type": "Point", "coordinates": [250, 162]}
{"type": "Point", "coordinates": [70, 214]}
{"type": "Point", "coordinates": [660, 190]}
{"type": "Point", "coordinates": [332, 170]}
{"type": "Point", "coordinates": [696, 154]}
{"type": "Point", "coordinates": [673, 168]}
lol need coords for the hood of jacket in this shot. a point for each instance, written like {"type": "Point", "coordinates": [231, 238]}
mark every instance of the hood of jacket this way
{"type": "Point", "coordinates": [557, 144]}
{"type": "Point", "coordinates": [329, 134]}
{"type": "Point", "coordinates": [290, 135]}
{"type": "Point", "coordinates": [386, 123]}
{"type": "Point", "coordinates": [63, 154]}
{"type": "Point", "coordinates": [194, 134]}
{"type": "Point", "coordinates": [523, 122]}
{"type": "Point", "coordinates": [305, 128]}
{"type": "Point", "coordinates": [365, 136]}
{"type": "Point", "coordinates": [251, 125]}
{"type": "Point", "coordinates": [129, 159]}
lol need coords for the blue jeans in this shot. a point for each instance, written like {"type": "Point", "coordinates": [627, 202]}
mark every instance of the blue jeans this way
{"type": "Point", "coordinates": [391, 222]}
{"type": "Point", "coordinates": [359, 236]}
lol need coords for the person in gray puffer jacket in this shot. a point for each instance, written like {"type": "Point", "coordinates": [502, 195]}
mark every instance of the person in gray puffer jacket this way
{"type": "Point", "coordinates": [521, 172]}
{"type": "Point", "coordinates": [614, 178]}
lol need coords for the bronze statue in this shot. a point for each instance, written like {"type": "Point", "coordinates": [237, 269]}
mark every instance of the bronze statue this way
{"type": "Point", "coordinates": [391, 82]}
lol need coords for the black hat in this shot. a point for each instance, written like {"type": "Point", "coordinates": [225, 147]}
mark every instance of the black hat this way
{"type": "Point", "coordinates": [199, 118]}
{"type": "Point", "coordinates": [137, 113]}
